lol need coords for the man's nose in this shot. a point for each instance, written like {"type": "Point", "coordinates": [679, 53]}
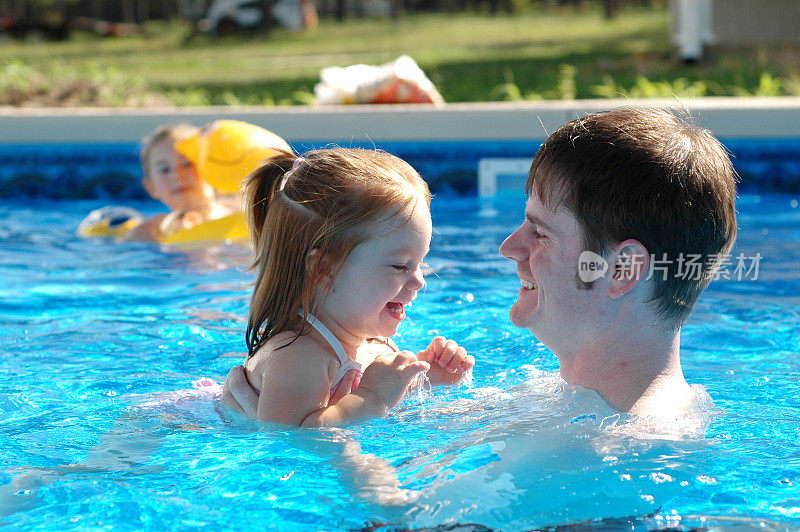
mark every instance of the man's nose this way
{"type": "Point", "coordinates": [513, 248]}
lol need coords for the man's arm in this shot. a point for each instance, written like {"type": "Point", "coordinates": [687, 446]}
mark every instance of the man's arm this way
{"type": "Point", "coordinates": [238, 395]}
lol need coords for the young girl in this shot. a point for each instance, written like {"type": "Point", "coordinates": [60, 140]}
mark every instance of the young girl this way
{"type": "Point", "coordinates": [339, 238]}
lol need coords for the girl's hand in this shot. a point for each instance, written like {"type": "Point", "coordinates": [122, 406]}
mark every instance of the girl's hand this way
{"type": "Point", "coordinates": [388, 376]}
{"type": "Point", "coordinates": [180, 220]}
{"type": "Point", "coordinates": [449, 361]}
{"type": "Point", "coordinates": [192, 218]}
{"type": "Point", "coordinates": [344, 387]}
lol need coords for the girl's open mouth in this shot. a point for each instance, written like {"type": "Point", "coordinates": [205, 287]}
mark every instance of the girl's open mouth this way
{"type": "Point", "coordinates": [396, 310]}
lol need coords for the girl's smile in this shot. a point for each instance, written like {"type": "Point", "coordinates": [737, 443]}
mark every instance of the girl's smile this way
{"type": "Point", "coordinates": [397, 310]}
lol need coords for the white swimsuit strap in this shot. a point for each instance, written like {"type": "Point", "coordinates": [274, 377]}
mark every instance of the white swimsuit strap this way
{"type": "Point", "coordinates": [345, 363]}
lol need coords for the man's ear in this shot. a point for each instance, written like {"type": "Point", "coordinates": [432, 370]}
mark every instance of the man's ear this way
{"type": "Point", "coordinates": [628, 264]}
{"type": "Point", "coordinates": [318, 268]}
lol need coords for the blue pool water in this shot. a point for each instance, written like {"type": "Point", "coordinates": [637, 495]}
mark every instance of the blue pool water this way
{"type": "Point", "coordinates": [100, 427]}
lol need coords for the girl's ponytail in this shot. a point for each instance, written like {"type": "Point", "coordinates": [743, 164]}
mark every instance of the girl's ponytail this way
{"type": "Point", "coordinates": [260, 188]}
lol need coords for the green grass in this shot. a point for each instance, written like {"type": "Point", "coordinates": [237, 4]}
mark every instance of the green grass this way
{"type": "Point", "coordinates": [544, 53]}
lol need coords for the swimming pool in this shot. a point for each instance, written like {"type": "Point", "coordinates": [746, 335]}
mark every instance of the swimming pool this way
{"type": "Point", "coordinates": [98, 338]}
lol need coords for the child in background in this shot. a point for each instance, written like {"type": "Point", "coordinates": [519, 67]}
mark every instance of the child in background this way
{"type": "Point", "coordinates": [172, 179]}
{"type": "Point", "coordinates": [339, 238]}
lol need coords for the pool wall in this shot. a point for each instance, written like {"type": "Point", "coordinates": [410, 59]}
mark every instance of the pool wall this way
{"type": "Point", "coordinates": [93, 153]}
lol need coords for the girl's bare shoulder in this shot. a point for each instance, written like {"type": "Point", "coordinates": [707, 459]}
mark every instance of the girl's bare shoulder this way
{"type": "Point", "coordinates": [287, 353]}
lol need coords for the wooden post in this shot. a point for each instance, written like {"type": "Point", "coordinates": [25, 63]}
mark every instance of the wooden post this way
{"type": "Point", "coordinates": [266, 17]}
{"type": "Point", "coordinates": [167, 10]}
{"type": "Point", "coordinates": [142, 11]}
{"type": "Point", "coordinates": [128, 11]}
{"type": "Point", "coordinates": [97, 9]}
{"type": "Point", "coordinates": [610, 7]}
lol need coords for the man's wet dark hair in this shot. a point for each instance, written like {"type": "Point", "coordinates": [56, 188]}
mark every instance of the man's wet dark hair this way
{"type": "Point", "coordinates": [644, 174]}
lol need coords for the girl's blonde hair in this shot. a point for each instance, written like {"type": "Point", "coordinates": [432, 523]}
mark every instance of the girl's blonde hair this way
{"type": "Point", "coordinates": [322, 202]}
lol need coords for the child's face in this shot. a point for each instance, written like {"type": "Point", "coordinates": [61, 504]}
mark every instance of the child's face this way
{"type": "Point", "coordinates": [172, 178]}
{"type": "Point", "coordinates": [381, 276]}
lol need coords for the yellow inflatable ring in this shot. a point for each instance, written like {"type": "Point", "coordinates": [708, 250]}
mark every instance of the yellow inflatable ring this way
{"type": "Point", "coordinates": [232, 227]}
{"type": "Point", "coordinates": [112, 221]}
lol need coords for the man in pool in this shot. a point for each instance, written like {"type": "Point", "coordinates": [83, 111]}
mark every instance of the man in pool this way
{"type": "Point", "coordinates": [629, 214]}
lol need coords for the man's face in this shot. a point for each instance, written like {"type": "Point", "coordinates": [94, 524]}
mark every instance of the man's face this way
{"type": "Point", "coordinates": [552, 302]}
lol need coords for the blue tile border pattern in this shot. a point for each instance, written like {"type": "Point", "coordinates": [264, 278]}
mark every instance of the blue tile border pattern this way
{"type": "Point", "coordinates": [112, 170]}
{"type": "Point", "coordinates": [70, 171]}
